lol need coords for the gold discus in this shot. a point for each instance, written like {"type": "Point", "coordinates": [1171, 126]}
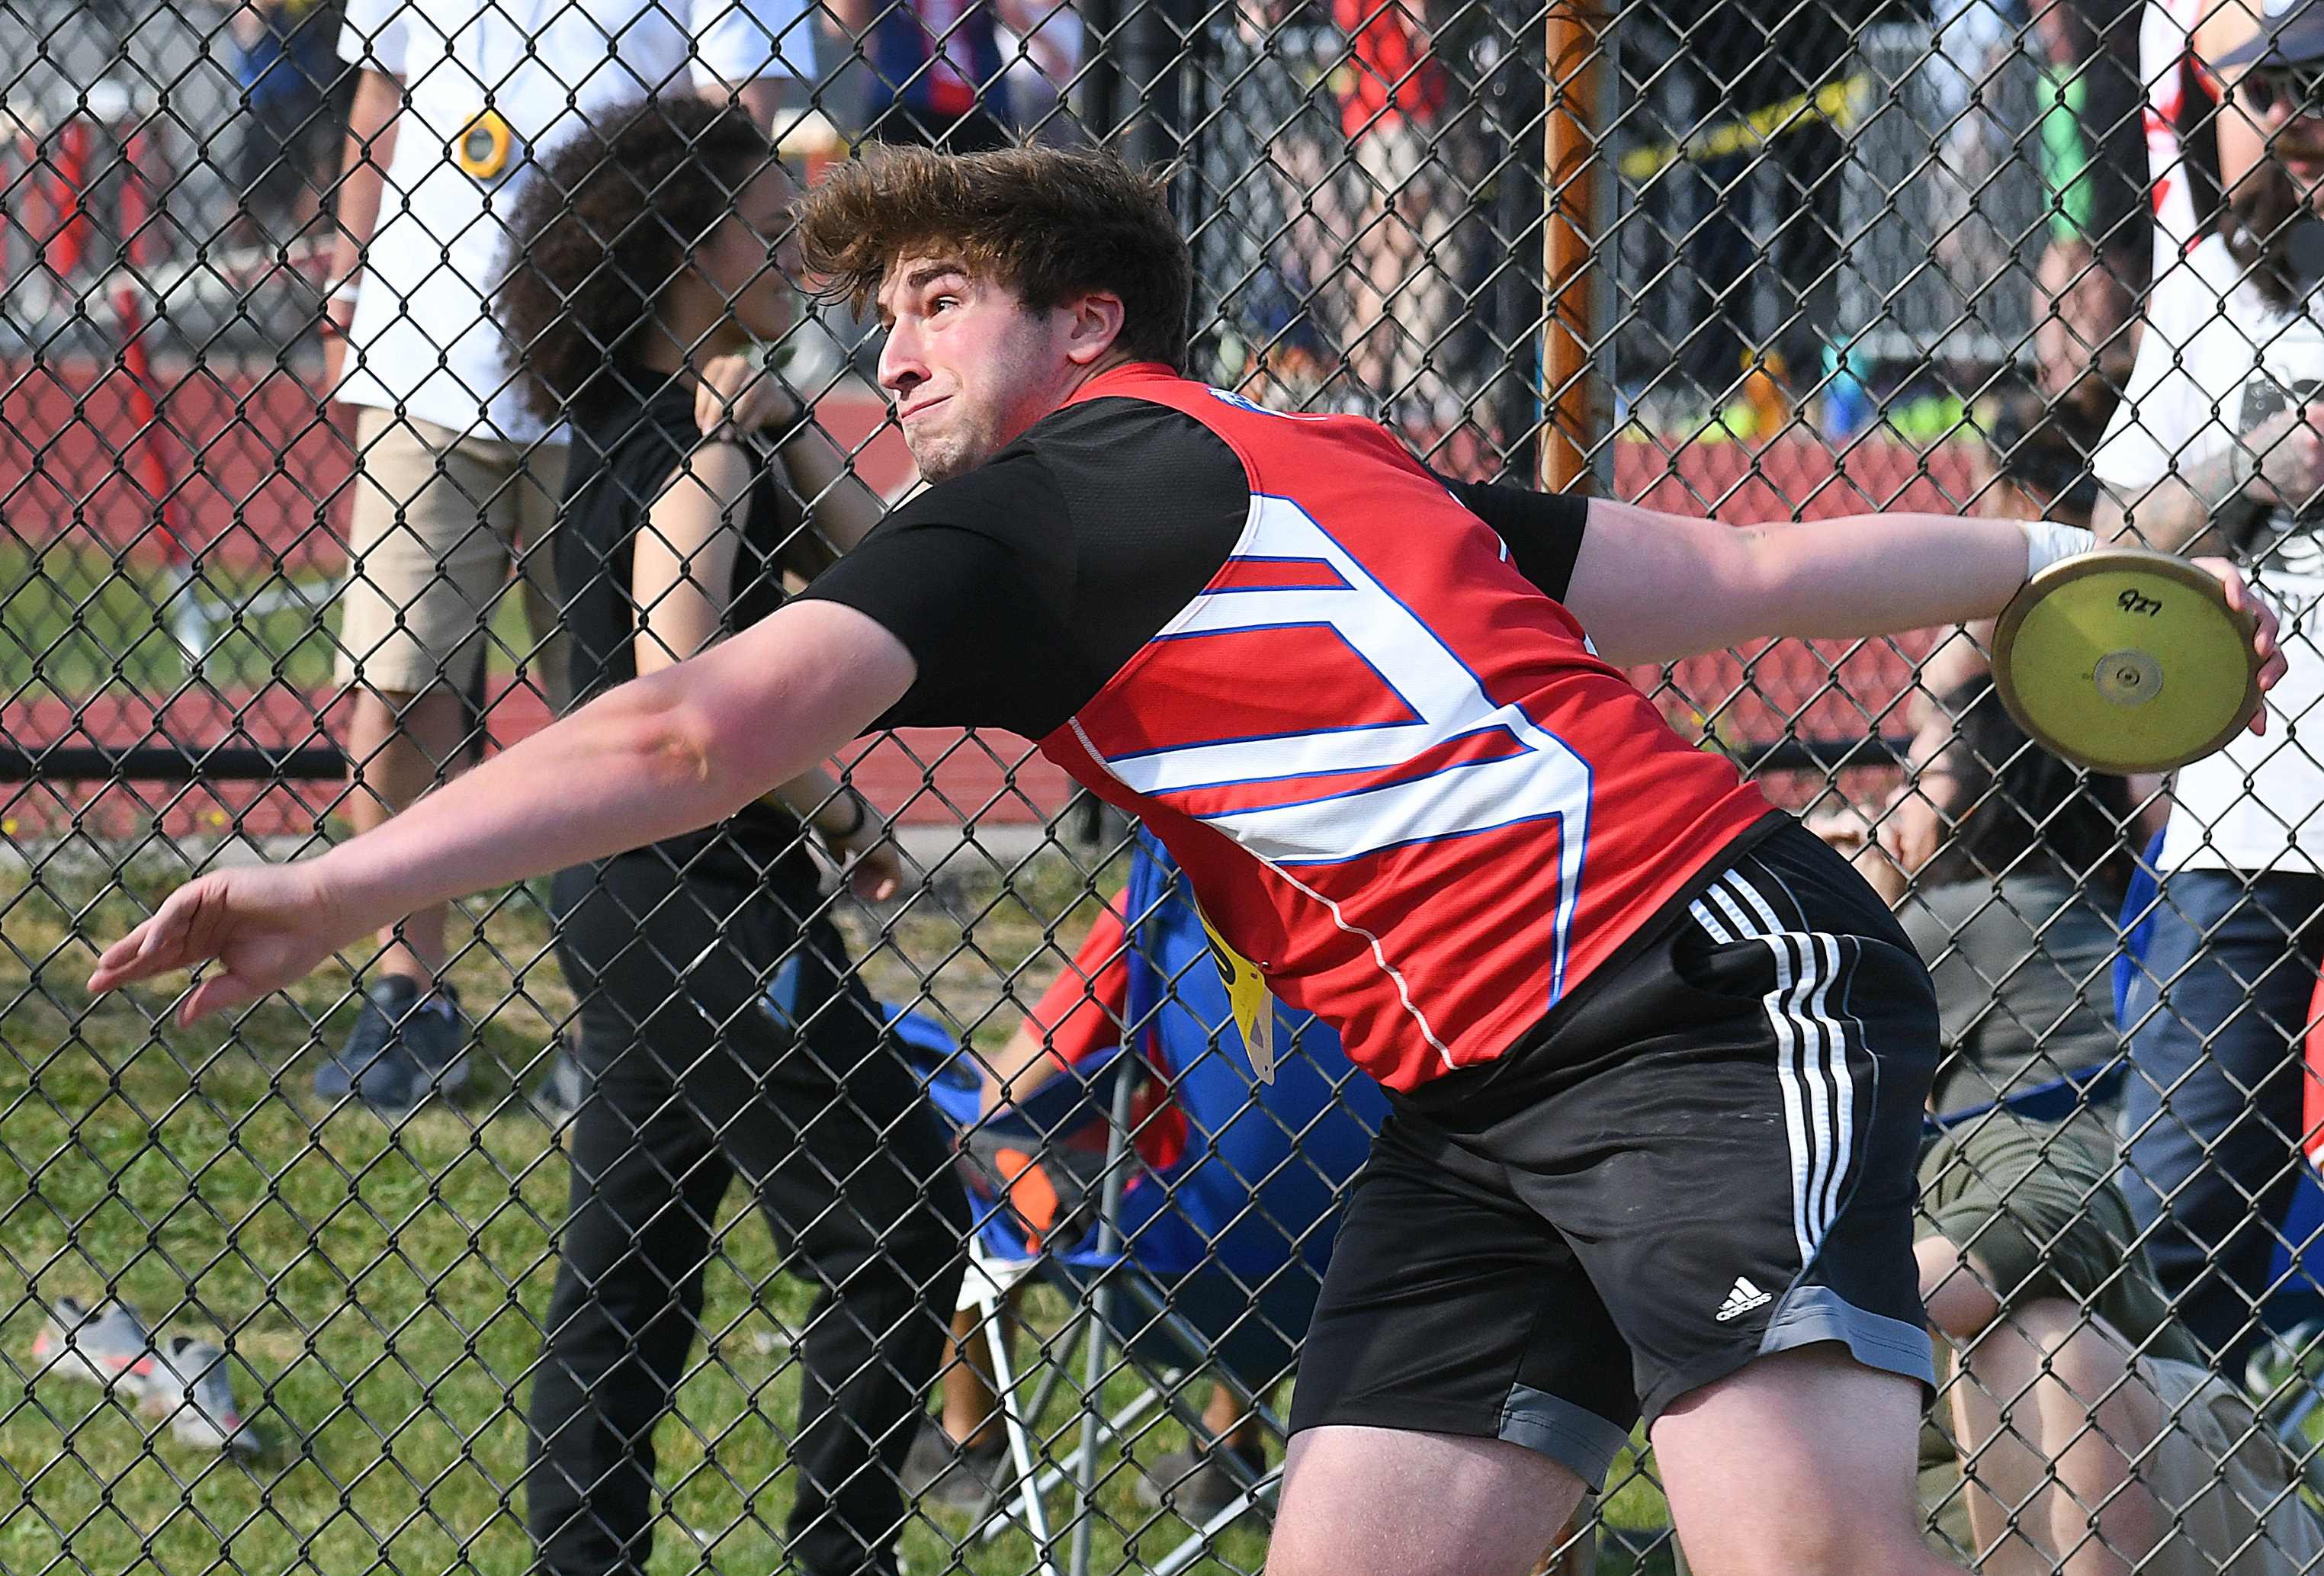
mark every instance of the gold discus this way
{"type": "Point", "coordinates": [483, 145]}
{"type": "Point", "coordinates": [2127, 660]}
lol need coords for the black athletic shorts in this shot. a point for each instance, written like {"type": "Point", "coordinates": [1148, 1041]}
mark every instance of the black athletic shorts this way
{"type": "Point", "coordinates": [1705, 1156]}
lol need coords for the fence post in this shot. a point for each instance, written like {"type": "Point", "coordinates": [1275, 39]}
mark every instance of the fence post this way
{"type": "Point", "coordinates": [1571, 153]}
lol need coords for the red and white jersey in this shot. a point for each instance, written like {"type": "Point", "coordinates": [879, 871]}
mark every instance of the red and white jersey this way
{"type": "Point", "coordinates": [1394, 771]}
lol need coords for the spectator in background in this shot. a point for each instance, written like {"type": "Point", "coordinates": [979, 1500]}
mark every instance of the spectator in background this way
{"type": "Point", "coordinates": [294, 96]}
{"type": "Point", "coordinates": [2006, 866]}
{"type": "Point", "coordinates": [724, 1031]}
{"type": "Point", "coordinates": [2084, 1436]}
{"type": "Point", "coordinates": [938, 76]}
{"type": "Point", "coordinates": [2193, 275]}
{"type": "Point", "coordinates": [2095, 265]}
{"type": "Point", "coordinates": [2215, 1012]}
{"type": "Point", "coordinates": [459, 480]}
{"type": "Point", "coordinates": [2087, 1439]}
{"type": "Point", "coordinates": [1392, 95]}
{"type": "Point", "coordinates": [1042, 45]}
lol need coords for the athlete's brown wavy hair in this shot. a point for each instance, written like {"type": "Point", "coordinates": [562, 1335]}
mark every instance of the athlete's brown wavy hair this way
{"type": "Point", "coordinates": [605, 224]}
{"type": "Point", "coordinates": [1048, 224]}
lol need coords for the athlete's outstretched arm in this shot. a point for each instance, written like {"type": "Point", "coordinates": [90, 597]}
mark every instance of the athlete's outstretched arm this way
{"type": "Point", "coordinates": [1652, 587]}
{"type": "Point", "coordinates": [664, 754]}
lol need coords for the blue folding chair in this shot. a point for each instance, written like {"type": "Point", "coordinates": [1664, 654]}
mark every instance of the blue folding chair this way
{"type": "Point", "coordinates": [1211, 1261]}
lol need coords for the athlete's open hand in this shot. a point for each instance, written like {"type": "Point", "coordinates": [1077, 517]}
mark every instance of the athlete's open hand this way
{"type": "Point", "coordinates": [2263, 637]}
{"type": "Point", "coordinates": [268, 925]}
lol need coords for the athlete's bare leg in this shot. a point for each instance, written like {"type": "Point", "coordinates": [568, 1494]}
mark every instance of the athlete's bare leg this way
{"type": "Point", "coordinates": [1799, 1464]}
{"type": "Point", "coordinates": [1402, 1503]}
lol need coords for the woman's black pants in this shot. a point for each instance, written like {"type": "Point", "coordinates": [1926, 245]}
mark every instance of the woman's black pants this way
{"type": "Point", "coordinates": [724, 1038]}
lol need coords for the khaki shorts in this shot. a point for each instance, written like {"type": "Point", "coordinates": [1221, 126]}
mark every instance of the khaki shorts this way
{"type": "Point", "coordinates": [443, 526]}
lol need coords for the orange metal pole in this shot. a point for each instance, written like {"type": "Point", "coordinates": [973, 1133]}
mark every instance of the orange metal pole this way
{"type": "Point", "coordinates": [1570, 386]}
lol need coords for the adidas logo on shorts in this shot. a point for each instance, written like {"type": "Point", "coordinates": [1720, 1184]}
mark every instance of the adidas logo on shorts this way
{"type": "Point", "coordinates": [1741, 1299]}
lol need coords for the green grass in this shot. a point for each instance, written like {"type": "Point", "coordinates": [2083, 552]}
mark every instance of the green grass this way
{"type": "Point", "coordinates": [76, 622]}
{"type": "Point", "coordinates": [379, 1287]}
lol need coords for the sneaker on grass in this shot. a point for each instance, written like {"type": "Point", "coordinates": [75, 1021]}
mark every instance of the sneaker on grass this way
{"type": "Point", "coordinates": [188, 1387]}
{"type": "Point", "coordinates": [556, 1099]}
{"type": "Point", "coordinates": [105, 1346]}
{"type": "Point", "coordinates": [404, 1048]}
{"type": "Point", "coordinates": [955, 1477]}
{"type": "Point", "coordinates": [1193, 1486]}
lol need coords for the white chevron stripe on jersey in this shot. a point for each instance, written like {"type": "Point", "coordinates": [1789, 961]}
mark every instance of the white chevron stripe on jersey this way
{"type": "Point", "coordinates": [1539, 778]}
{"type": "Point", "coordinates": [1811, 1046]}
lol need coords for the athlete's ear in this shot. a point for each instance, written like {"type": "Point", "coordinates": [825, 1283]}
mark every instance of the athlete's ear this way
{"type": "Point", "coordinates": [1094, 324]}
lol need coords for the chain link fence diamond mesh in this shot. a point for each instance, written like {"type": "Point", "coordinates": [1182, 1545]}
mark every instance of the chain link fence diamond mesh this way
{"type": "Point", "coordinates": [439, 1261]}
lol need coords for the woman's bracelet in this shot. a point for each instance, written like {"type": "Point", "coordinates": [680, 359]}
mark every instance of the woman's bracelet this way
{"type": "Point", "coordinates": [863, 813]}
{"type": "Point", "coordinates": [802, 422]}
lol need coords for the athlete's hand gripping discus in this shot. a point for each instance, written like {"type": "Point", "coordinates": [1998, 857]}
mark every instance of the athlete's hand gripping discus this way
{"type": "Point", "coordinates": [2127, 660]}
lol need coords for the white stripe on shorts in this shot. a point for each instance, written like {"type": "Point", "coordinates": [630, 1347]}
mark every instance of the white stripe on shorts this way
{"type": "Point", "coordinates": [1810, 1046]}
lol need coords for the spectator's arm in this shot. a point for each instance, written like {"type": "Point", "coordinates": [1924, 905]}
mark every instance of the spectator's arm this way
{"type": "Point", "coordinates": [680, 565]}
{"type": "Point", "coordinates": [1956, 1288]}
{"type": "Point", "coordinates": [682, 562]}
{"type": "Point", "coordinates": [2172, 513]}
{"type": "Point", "coordinates": [762, 96]}
{"type": "Point", "coordinates": [743, 392]}
{"type": "Point", "coordinates": [2279, 462]}
{"type": "Point", "coordinates": [1077, 1016]}
{"type": "Point", "coordinates": [362, 184]}
{"type": "Point", "coordinates": [841, 505]}
{"type": "Point", "coordinates": [1018, 1068]}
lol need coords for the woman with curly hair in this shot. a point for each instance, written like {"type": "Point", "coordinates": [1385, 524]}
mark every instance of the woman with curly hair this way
{"type": "Point", "coordinates": [723, 1027]}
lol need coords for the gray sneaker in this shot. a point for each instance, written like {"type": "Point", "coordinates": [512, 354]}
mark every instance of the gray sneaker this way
{"type": "Point", "coordinates": [957, 1477]}
{"type": "Point", "coordinates": [109, 1347]}
{"type": "Point", "coordinates": [189, 1386]}
{"type": "Point", "coordinates": [556, 1098]}
{"type": "Point", "coordinates": [1194, 1486]}
{"type": "Point", "coordinates": [403, 1048]}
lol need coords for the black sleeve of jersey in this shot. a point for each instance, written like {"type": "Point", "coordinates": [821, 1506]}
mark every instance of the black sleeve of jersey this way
{"type": "Point", "coordinates": [975, 577]}
{"type": "Point", "coordinates": [1542, 529]}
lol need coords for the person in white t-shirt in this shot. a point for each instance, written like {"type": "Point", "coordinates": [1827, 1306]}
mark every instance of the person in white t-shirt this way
{"type": "Point", "coordinates": [2226, 447]}
{"type": "Point", "coordinates": [458, 484]}
{"type": "Point", "coordinates": [2192, 273]}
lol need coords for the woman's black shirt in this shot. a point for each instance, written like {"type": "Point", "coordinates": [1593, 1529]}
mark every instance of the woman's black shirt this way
{"type": "Point", "coordinates": [625, 449]}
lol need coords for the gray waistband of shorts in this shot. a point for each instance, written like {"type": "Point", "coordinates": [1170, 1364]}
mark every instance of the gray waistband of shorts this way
{"type": "Point", "coordinates": [1575, 1437]}
{"type": "Point", "coordinates": [1811, 1314]}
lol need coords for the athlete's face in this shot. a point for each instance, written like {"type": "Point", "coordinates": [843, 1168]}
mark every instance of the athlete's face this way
{"type": "Point", "coordinates": [971, 366]}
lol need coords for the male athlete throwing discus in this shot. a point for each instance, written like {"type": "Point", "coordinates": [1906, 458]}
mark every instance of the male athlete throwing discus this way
{"type": "Point", "coordinates": [1657, 1056]}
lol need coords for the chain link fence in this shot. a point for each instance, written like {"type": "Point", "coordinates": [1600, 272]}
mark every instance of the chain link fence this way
{"type": "Point", "coordinates": [342, 1283]}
